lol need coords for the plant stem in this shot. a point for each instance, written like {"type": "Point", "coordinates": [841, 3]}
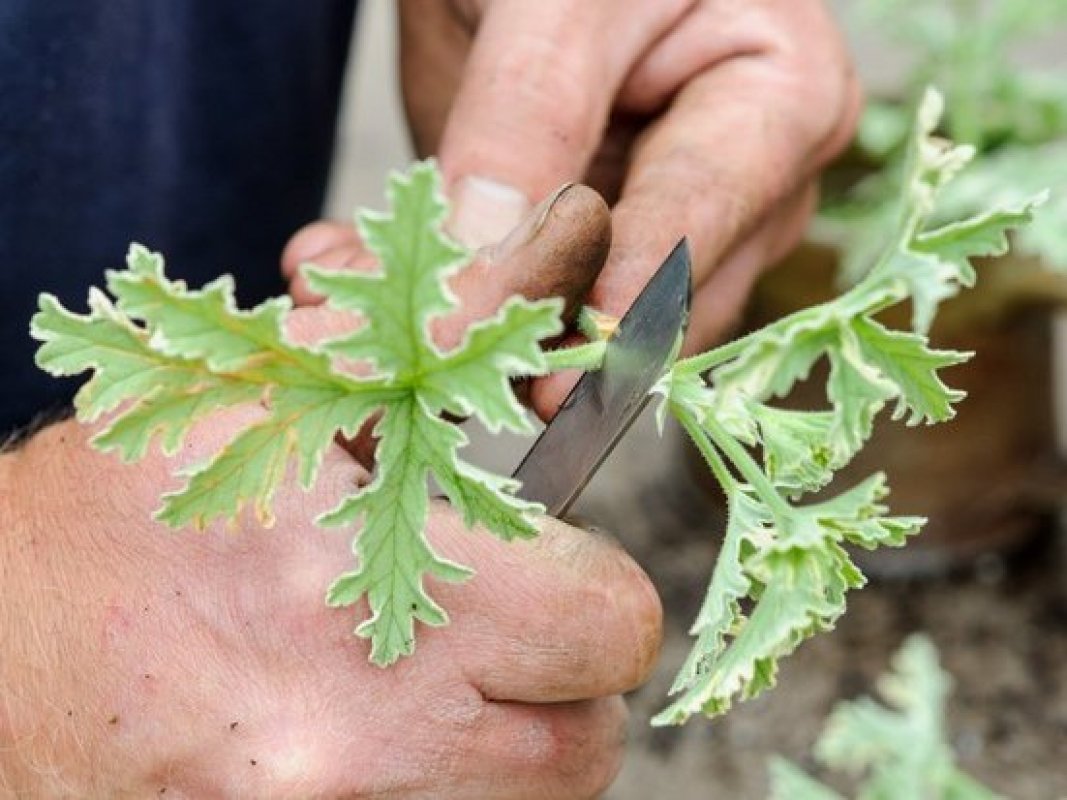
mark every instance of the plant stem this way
{"type": "Point", "coordinates": [712, 358]}
{"type": "Point", "coordinates": [588, 356]}
{"type": "Point", "coordinates": [749, 470]}
{"type": "Point", "coordinates": [714, 461]}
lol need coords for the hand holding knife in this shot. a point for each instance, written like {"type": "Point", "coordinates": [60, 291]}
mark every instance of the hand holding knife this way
{"type": "Point", "coordinates": [604, 403]}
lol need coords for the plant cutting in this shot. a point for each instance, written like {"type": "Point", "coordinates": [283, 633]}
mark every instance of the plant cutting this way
{"type": "Point", "coordinates": [900, 749]}
{"type": "Point", "coordinates": [164, 355]}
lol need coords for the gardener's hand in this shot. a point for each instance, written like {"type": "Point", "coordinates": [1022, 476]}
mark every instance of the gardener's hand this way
{"type": "Point", "coordinates": [138, 662]}
{"type": "Point", "coordinates": [706, 118]}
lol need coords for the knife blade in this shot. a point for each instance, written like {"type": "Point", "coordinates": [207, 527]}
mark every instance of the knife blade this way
{"type": "Point", "coordinates": [604, 403]}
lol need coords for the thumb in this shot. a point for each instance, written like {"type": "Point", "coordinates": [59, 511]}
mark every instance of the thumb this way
{"type": "Point", "coordinates": [557, 250]}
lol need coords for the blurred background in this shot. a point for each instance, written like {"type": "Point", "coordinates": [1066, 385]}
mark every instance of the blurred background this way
{"type": "Point", "coordinates": [995, 606]}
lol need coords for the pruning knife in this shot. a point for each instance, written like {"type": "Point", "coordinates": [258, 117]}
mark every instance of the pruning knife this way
{"type": "Point", "coordinates": [605, 402]}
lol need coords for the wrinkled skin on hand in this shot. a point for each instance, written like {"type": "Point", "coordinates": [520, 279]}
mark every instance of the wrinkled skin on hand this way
{"type": "Point", "coordinates": [139, 661]}
{"type": "Point", "coordinates": [706, 118]}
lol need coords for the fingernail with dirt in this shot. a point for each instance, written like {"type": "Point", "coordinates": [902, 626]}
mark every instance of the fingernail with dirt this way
{"type": "Point", "coordinates": [559, 248]}
{"type": "Point", "coordinates": [485, 210]}
{"type": "Point", "coordinates": [529, 227]}
{"type": "Point", "coordinates": [556, 250]}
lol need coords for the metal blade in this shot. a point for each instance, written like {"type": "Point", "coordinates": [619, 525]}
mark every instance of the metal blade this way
{"type": "Point", "coordinates": [603, 405]}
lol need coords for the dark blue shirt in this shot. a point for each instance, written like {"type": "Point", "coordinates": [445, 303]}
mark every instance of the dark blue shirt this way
{"type": "Point", "coordinates": [201, 128]}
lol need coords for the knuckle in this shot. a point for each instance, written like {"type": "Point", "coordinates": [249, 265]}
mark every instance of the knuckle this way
{"type": "Point", "coordinates": [581, 748]}
{"type": "Point", "coordinates": [821, 80]}
{"type": "Point", "coordinates": [802, 73]}
{"type": "Point", "coordinates": [645, 610]}
{"type": "Point", "coordinates": [625, 610]}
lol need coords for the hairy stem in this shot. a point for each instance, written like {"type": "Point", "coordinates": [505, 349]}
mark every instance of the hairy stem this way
{"type": "Point", "coordinates": [714, 461]}
{"type": "Point", "coordinates": [749, 470]}
{"type": "Point", "coordinates": [585, 357]}
{"type": "Point", "coordinates": [713, 358]}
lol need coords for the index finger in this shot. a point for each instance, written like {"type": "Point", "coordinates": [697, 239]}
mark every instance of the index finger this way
{"type": "Point", "coordinates": [736, 143]}
{"type": "Point", "coordinates": [732, 149]}
{"type": "Point", "coordinates": [538, 87]}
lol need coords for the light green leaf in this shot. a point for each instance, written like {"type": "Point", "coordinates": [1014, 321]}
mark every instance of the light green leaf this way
{"type": "Point", "coordinates": [485, 498]}
{"type": "Point", "coordinates": [795, 577]}
{"type": "Point", "coordinates": [720, 615]}
{"type": "Point", "coordinates": [908, 363]}
{"type": "Point", "coordinates": [897, 750]}
{"type": "Point", "coordinates": [164, 356]}
{"type": "Point", "coordinates": [247, 470]}
{"type": "Point", "coordinates": [935, 265]}
{"type": "Point", "coordinates": [901, 749]}
{"type": "Point", "coordinates": [392, 550]}
{"type": "Point", "coordinates": [473, 379]}
{"type": "Point", "coordinates": [801, 593]}
{"type": "Point", "coordinates": [302, 424]}
{"type": "Point", "coordinates": [1016, 177]}
{"type": "Point", "coordinates": [932, 163]}
{"type": "Point", "coordinates": [798, 452]}
{"type": "Point", "coordinates": [856, 516]}
{"type": "Point", "coordinates": [399, 300]}
{"type": "Point", "coordinates": [170, 415]}
{"type": "Point", "coordinates": [981, 236]}
{"type": "Point", "coordinates": [205, 324]}
{"type": "Point", "coordinates": [783, 354]}
{"type": "Point", "coordinates": [124, 365]}
{"type": "Point", "coordinates": [857, 390]}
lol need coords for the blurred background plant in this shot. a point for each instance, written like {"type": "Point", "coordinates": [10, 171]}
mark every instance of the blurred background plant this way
{"type": "Point", "coordinates": [992, 481]}
{"type": "Point", "coordinates": [899, 749]}
{"type": "Point", "coordinates": [1015, 116]}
